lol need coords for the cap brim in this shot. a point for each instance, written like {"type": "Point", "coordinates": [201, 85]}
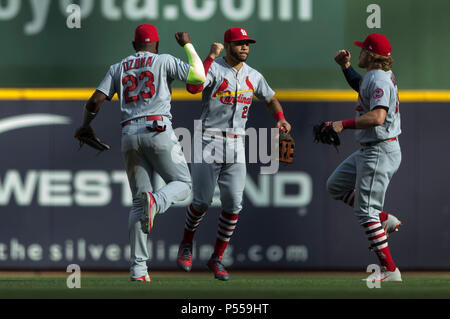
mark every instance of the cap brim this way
{"type": "Point", "coordinates": [244, 39]}
{"type": "Point", "coordinates": [359, 44]}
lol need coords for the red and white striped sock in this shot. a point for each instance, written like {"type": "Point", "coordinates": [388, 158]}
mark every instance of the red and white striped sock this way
{"type": "Point", "coordinates": [193, 219]}
{"type": "Point", "coordinates": [378, 242]}
{"type": "Point", "coordinates": [227, 224]}
{"type": "Point", "coordinates": [349, 199]}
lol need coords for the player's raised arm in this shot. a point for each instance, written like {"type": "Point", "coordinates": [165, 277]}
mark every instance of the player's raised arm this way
{"type": "Point", "coordinates": [196, 72]}
{"type": "Point", "coordinates": [342, 57]}
{"type": "Point", "coordinates": [216, 49]}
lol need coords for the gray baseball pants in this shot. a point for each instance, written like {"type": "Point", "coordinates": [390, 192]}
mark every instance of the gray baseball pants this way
{"type": "Point", "coordinates": [368, 171]}
{"type": "Point", "coordinates": [144, 153]}
{"type": "Point", "coordinates": [228, 171]}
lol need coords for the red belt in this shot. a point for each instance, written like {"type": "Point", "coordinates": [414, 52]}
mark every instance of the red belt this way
{"type": "Point", "coordinates": [148, 118]}
{"type": "Point", "coordinates": [224, 134]}
{"type": "Point", "coordinates": [374, 143]}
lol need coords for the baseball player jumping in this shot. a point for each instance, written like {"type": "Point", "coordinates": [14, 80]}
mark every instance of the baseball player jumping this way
{"type": "Point", "coordinates": [143, 84]}
{"type": "Point", "coordinates": [227, 95]}
{"type": "Point", "coordinates": [362, 179]}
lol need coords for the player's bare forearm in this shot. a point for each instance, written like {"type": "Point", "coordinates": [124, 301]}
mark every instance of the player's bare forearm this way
{"type": "Point", "coordinates": [95, 101]}
{"type": "Point", "coordinates": [373, 118]}
{"type": "Point", "coordinates": [92, 107]}
{"type": "Point", "coordinates": [275, 109]}
{"type": "Point", "coordinates": [273, 106]}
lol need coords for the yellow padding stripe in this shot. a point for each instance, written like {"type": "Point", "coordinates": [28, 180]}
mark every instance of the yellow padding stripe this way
{"type": "Point", "coordinates": [232, 93]}
{"type": "Point", "coordinates": [82, 94]}
{"type": "Point", "coordinates": [45, 94]}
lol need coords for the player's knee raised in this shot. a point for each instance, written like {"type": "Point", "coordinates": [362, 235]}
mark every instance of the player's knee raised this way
{"type": "Point", "coordinates": [333, 188]}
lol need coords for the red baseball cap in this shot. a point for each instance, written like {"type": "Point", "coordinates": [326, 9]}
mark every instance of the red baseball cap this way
{"type": "Point", "coordinates": [237, 34]}
{"type": "Point", "coordinates": [376, 43]}
{"type": "Point", "coordinates": [146, 33]}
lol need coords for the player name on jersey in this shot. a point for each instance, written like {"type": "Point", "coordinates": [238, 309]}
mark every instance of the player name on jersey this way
{"type": "Point", "coordinates": [229, 100]}
{"type": "Point", "coordinates": [137, 63]}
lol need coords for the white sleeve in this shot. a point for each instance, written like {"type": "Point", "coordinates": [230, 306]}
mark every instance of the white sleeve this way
{"type": "Point", "coordinates": [107, 86]}
{"type": "Point", "coordinates": [263, 91]}
{"type": "Point", "coordinates": [380, 94]}
{"type": "Point", "coordinates": [176, 68]}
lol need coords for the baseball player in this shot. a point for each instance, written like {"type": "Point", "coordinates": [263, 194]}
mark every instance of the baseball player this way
{"type": "Point", "coordinates": [143, 84]}
{"type": "Point", "coordinates": [362, 179]}
{"type": "Point", "coordinates": [226, 98]}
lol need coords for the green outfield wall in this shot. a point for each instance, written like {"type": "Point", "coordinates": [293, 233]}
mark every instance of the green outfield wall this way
{"type": "Point", "coordinates": [296, 39]}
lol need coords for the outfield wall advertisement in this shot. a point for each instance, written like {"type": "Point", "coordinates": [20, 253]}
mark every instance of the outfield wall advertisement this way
{"type": "Point", "coordinates": [61, 205]}
{"type": "Point", "coordinates": [52, 44]}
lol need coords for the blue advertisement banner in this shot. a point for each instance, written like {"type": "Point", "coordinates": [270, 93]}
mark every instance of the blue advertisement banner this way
{"type": "Point", "coordinates": [61, 205]}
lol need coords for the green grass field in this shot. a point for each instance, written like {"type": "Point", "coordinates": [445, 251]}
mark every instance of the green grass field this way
{"type": "Point", "coordinates": [242, 285]}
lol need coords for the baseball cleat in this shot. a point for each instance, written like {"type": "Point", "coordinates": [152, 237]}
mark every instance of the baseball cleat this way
{"type": "Point", "coordinates": [215, 264]}
{"type": "Point", "coordinates": [385, 276]}
{"type": "Point", "coordinates": [391, 224]}
{"type": "Point", "coordinates": [149, 212]}
{"type": "Point", "coordinates": [184, 260]}
{"type": "Point", "coordinates": [145, 278]}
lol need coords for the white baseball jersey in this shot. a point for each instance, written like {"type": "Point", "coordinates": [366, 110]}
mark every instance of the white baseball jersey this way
{"type": "Point", "coordinates": [228, 94]}
{"type": "Point", "coordinates": [143, 83]}
{"type": "Point", "coordinates": [379, 88]}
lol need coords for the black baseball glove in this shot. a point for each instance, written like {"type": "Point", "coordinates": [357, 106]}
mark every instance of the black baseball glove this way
{"type": "Point", "coordinates": [324, 133]}
{"type": "Point", "coordinates": [86, 135]}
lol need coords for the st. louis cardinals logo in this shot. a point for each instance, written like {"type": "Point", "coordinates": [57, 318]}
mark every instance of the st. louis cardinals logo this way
{"type": "Point", "coordinates": [249, 84]}
{"type": "Point", "coordinates": [378, 93]}
{"type": "Point", "coordinates": [223, 93]}
{"type": "Point", "coordinates": [228, 98]}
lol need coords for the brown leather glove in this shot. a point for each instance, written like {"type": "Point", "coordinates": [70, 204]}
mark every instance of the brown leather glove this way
{"type": "Point", "coordinates": [287, 148]}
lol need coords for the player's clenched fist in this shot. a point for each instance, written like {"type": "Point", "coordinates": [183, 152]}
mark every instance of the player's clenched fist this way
{"type": "Point", "coordinates": [342, 58]}
{"type": "Point", "coordinates": [216, 48]}
{"type": "Point", "coordinates": [182, 38]}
